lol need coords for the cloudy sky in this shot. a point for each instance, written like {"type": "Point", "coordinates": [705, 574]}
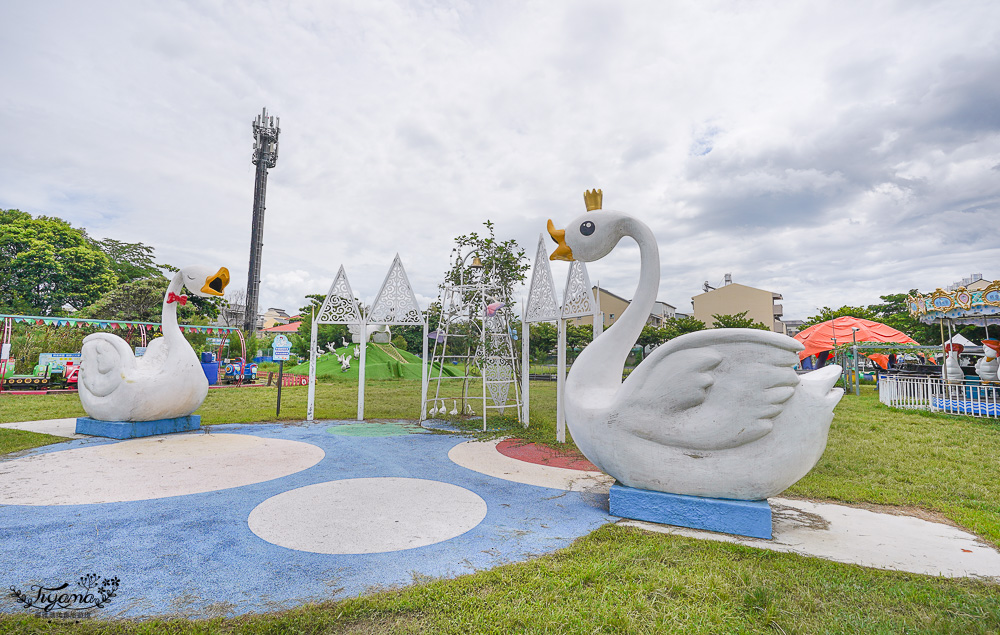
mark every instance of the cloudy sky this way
{"type": "Point", "coordinates": [829, 151]}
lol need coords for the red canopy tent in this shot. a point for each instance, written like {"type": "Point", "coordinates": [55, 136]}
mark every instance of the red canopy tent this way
{"type": "Point", "coordinates": [837, 332]}
{"type": "Point", "coordinates": [881, 359]}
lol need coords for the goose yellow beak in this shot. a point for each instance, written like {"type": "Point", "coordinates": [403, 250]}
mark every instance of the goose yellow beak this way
{"type": "Point", "coordinates": [562, 252]}
{"type": "Point", "coordinates": [215, 285]}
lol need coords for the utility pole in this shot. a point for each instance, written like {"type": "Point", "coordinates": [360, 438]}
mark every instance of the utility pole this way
{"type": "Point", "coordinates": [265, 156]}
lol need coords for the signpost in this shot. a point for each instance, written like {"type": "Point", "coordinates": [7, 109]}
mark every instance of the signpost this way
{"type": "Point", "coordinates": [282, 349]}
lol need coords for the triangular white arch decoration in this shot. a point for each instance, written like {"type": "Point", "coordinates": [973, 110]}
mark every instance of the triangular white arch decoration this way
{"type": "Point", "coordinates": [339, 307]}
{"type": "Point", "coordinates": [395, 302]}
{"type": "Point", "coordinates": [578, 300]}
{"type": "Point", "coordinates": [543, 305]}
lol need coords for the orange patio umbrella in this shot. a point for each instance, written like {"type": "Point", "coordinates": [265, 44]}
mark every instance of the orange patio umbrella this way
{"type": "Point", "coordinates": [826, 335]}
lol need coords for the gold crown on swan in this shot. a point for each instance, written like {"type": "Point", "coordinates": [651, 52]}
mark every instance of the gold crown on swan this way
{"type": "Point", "coordinates": [594, 199]}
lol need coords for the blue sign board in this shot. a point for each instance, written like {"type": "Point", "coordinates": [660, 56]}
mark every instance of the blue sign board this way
{"type": "Point", "coordinates": [282, 348]}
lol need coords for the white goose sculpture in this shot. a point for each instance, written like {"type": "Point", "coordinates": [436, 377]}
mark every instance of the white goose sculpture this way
{"type": "Point", "coordinates": [167, 381]}
{"type": "Point", "coordinates": [718, 413]}
{"type": "Point", "coordinates": [952, 368]}
{"type": "Point", "coordinates": [988, 365]}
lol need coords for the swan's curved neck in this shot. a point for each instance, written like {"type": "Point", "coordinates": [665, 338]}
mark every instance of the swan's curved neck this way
{"type": "Point", "coordinates": [604, 358]}
{"type": "Point", "coordinates": [170, 329]}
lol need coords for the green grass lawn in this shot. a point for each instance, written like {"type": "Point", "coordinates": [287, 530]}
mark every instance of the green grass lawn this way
{"type": "Point", "coordinates": [623, 580]}
{"type": "Point", "coordinates": [17, 440]}
{"type": "Point", "coordinates": [619, 579]}
{"type": "Point", "coordinates": [884, 456]}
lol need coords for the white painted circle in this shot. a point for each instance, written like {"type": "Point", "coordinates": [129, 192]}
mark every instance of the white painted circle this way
{"type": "Point", "coordinates": [152, 467]}
{"type": "Point", "coordinates": [367, 515]}
{"type": "Point", "coordinates": [483, 457]}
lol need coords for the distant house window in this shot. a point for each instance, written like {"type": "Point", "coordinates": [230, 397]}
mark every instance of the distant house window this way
{"type": "Point", "coordinates": [612, 316]}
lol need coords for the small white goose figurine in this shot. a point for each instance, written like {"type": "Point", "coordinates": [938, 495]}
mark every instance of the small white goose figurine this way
{"type": "Point", "coordinates": [952, 369]}
{"type": "Point", "coordinates": [718, 413]}
{"type": "Point", "coordinates": [167, 381]}
{"type": "Point", "coordinates": [988, 365]}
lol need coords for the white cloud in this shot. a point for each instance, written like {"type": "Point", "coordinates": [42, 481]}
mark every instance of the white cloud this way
{"type": "Point", "coordinates": [830, 151]}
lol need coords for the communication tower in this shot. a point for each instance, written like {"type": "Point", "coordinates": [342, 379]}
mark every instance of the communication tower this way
{"type": "Point", "coordinates": [265, 156]}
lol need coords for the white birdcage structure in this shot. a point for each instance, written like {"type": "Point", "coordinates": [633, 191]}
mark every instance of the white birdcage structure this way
{"type": "Point", "coordinates": [474, 338]}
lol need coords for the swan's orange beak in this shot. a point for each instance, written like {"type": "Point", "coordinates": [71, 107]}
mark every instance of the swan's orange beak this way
{"type": "Point", "coordinates": [562, 252]}
{"type": "Point", "coordinates": [216, 284]}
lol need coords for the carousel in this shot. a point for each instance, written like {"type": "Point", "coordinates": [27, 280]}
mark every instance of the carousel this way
{"type": "Point", "coordinates": [966, 382]}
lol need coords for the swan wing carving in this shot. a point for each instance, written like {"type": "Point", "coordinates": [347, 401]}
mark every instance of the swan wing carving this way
{"type": "Point", "coordinates": [106, 362]}
{"type": "Point", "coordinates": [714, 390]}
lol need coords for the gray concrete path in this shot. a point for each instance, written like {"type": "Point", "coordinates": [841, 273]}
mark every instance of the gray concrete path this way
{"type": "Point", "coordinates": [823, 530]}
{"type": "Point", "coordinates": [58, 427]}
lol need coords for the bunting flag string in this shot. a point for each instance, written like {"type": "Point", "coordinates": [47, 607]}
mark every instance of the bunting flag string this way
{"type": "Point", "coordinates": [113, 325]}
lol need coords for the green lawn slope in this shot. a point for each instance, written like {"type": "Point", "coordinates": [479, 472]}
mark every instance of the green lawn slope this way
{"type": "Point", "coordinates": [382, 361]}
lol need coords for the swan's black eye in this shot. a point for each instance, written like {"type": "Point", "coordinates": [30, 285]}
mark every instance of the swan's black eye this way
{"type": "Point", "coordinates": [588, 228]}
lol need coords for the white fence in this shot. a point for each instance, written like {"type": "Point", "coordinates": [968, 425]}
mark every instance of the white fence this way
{"type": "Point", "coordinates": [933, 394]}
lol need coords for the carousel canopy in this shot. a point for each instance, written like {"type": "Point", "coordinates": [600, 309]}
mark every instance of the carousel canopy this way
{"type": "Point", "coordinates": [838, 331]}
{"type": "Point", "coordinates": [961, 306]}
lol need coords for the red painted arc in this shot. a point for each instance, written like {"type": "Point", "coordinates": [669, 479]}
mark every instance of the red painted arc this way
{"type": "Point", "coordinates": [543, 455]}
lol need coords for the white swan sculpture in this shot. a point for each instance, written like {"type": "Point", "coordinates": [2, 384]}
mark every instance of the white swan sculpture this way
{"type": "Point", "coordinates": [718, 413]}
{"type": "Point", "coordinates": [167, 381]}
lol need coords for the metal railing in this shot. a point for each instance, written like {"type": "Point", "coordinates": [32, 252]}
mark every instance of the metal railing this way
{"type": "Point", "coordinates": [969, 397]}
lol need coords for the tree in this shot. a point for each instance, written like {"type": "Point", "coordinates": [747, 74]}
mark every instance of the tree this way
{"type": "Point", "coordinates": [46, 263]}
{"type": "Point", "coordinates": [826, 314]}
{"type": "Point", "coordinates": [544, 337]}
{"type": "Point", "coordinates": [129, 261]}
{"type": "Point", "coordinates": [650, 336]}
{"type": "Point", "coordinates": [675, 327]}
{"type": "Point", "coordinates": [894, 311]}
{"type": "Point", "coordinates": [235, 308]}
{"type": "Point", "coordinates": [578, 336]}
{"type": "Point", "coordinates": [137, 301]}
{"type": "Point", "coordinates": [141, 300]}
{"type": "Point", "coordinates": [737, 321]}
{"type": "Point", "coordinates": [325, 334]}
{"type": "Point", "coordinates": [503, 261]}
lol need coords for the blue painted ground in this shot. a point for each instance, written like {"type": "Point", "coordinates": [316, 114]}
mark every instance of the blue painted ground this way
{"type": "Point", "coordinates": [194, 556]}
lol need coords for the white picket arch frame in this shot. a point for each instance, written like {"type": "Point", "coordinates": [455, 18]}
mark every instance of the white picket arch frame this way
{"type": "Point", "coordinates": [395, 304]}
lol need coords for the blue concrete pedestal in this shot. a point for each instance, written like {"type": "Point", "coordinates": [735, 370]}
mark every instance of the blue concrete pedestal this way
{"type": "Point", "coordinates": [743, 518]}
{"type": "Point", "coordinates": [135, 429]}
